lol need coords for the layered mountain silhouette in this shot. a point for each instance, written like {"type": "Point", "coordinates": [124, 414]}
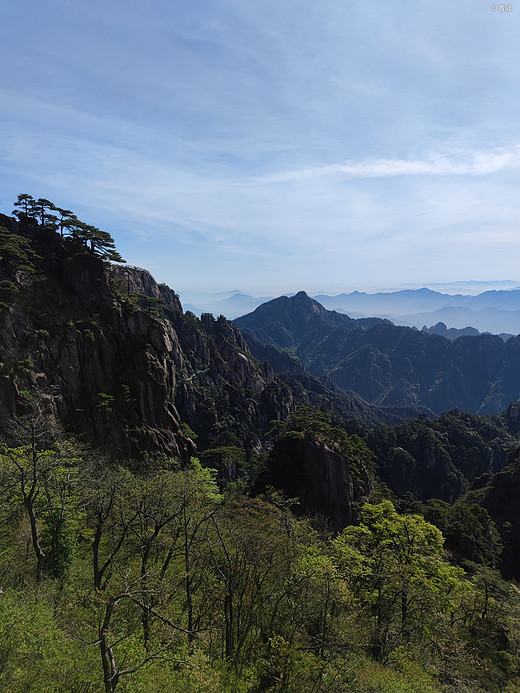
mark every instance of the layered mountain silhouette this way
{"type": "Point", "coordinates": [454, 332]}
{"type": "Point", "coordinates": [490, 311]}
{"type": "Point", "coordinates": [112, 355]}
{"type": "Point", "coordinates": [495, 311]}
{"type": "Point", "coordinates": [390, 365]}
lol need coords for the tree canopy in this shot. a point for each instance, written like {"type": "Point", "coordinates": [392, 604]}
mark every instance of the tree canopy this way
{"type": "Point", "coordinates": [44, 214]}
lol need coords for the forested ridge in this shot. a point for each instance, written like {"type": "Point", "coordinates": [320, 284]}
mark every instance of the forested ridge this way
{"type": "Point", "coordinates": [177, 517]}
{"type": "Point", "coordinates": [387, 364]}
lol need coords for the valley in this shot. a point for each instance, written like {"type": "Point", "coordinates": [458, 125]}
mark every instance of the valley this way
{"type": "Point", "coordinates": [295, 500]}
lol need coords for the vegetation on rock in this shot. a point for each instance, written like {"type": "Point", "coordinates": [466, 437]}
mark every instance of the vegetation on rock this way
{"type": "Point", "coordinates": [389, 365]}
{"type": "Point", "coordinates": [308, 546]}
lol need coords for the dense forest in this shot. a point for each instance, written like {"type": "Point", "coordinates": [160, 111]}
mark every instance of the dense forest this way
{"type": "Point", "coordinates": [177, 516]}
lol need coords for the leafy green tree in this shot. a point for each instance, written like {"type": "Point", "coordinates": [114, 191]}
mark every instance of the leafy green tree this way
{"type": "Point", "coordinates": [173, 509]}
{"type": "Point", "coordinates": [42, 481]}
{"type": "Point", "coordinates": [37, 655]}
{"type": "Point", "coordinates": [394, 565]}
{"type": "Point", "coordinates": [250, 554]}
{"type": "Point", "coordinates": [227, 460]}
{"type": "Point", "coordinates": [309, 420]}
{"type": "Point", "coordinates": [469, 531]}
{"type": "Point", "coordinates": [144, 535]}
{"type": "Point", "coordinates": [277, 429]}
{"type": "Point", "coordinates": [116, 602]}
{"type": "Point", "coordinates": [313, 421]}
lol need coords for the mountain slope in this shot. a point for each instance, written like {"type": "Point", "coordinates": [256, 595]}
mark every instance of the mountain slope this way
{"type": "Point", "coordinates": [118, 361]}
{"type": "Point", "coordinates": [490, 311]}
{"type": "Point", "coordinates": [389, 365]}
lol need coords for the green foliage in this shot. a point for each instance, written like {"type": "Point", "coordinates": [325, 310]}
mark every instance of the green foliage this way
{"type": "Point", "coordinates": [311, 421]}
{"type": "Point", "coordinates": [157, 577]}
{"type": "Point", "coordinates": [158, 580]}
{"type": "Point", "coordinates": [26, 365]}
{"type": "Point", "coordinates": [278, 428]}
{"type": "Point", "coordinates": [438, 458]}
{"type": "Point", "coordinates": [59, 543]}
{"type": "Point", "coordinates": [189, 432]}
{"type": "Point", "coordinates": [118, 284]}
{"type": "Point", "coordinates": [39, 214]}
{"type": "Point", "coordinates": [36, 654]}
{"type": "Point", "coordinates": [206, 479]}
{"type": "Point", "coordinates": [395, 566]}
{"type": "Point", "coordinates": [27, 206]}
{"type": "Point", "coordinates": [403, 676]}
{"type": "Point", "coordinates": [149, 304]}
{"type": "Point", "coordinates": [226, 461]}
{"type": "Point", "coordinates": [42, 483]}
{"type": "Point", "coordinates": [16, 253]}
{"type": "Point", "coordinates": [469, 531]}
{"type": "Point", "coordinates": [100, 242]}
{"type": "Point", "coordinates": [105, 402]}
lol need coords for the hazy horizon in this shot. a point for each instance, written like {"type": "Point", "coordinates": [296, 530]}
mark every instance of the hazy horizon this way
{"type": "Point", "coordinates": [471, 287]}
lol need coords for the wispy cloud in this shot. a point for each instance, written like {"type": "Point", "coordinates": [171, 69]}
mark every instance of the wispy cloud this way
{"type": "Point", "coordinates": [458, 164]}
{"type": "Point", "coordinates": [255, 142]}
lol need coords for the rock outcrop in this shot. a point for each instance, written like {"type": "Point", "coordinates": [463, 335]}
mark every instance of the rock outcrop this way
{"type": "Point", "coordinates": [318, 476]}
{"type": "Point", "coordinates": [121, 362]}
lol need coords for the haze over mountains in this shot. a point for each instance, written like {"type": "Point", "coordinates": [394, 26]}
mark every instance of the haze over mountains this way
{"type": "Point", "coordinates": [493, 310]}
{"type": "Point", "coordinates": [232, 304]}
{"type": "Point", "coordinates": [232, 492]}
{"type": "Point", "coordinates": [390, 365]}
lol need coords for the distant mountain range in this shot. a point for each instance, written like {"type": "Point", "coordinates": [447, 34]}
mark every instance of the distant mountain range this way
{"type": "Point", "coordinates": [490, 311]}
{"type": "Point", "coordinates": [495, 311]}
{"type": "Point", "coordinates": [454, 332]}
{"type": "Point", "coordinates": [389, 365]}
{"type": "Point", "coordinates": [231, 304]}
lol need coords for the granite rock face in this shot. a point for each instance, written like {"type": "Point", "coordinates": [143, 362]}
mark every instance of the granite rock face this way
{"type": "Point", "coordinates": [122, 364]}
{"type": "Point", "coordinates": [109, 371]}
{"type": "Point", "coordinates": [318, 476]}
{"type": "Point", "coordinates": [500, 498]}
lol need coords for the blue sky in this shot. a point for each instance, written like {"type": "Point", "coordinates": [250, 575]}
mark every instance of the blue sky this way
{"type": "Point", "coordinates": [272, 146]}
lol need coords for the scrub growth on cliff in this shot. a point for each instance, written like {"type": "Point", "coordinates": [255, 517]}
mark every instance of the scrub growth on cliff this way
{"type": "Point", "coordinates": [181, 515]}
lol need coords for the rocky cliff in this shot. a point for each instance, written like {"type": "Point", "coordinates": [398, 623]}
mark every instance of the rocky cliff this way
{"type": "Point", "coordinates": [120, 361]}
{"type": "Point", "coordinates": [319, 476]}
{"type": "Point", "coordinates": [499, 495]}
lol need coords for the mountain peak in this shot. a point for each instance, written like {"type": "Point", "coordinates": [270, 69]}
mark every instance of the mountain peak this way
{"type": "Point", "coordinates": [287, 321]}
